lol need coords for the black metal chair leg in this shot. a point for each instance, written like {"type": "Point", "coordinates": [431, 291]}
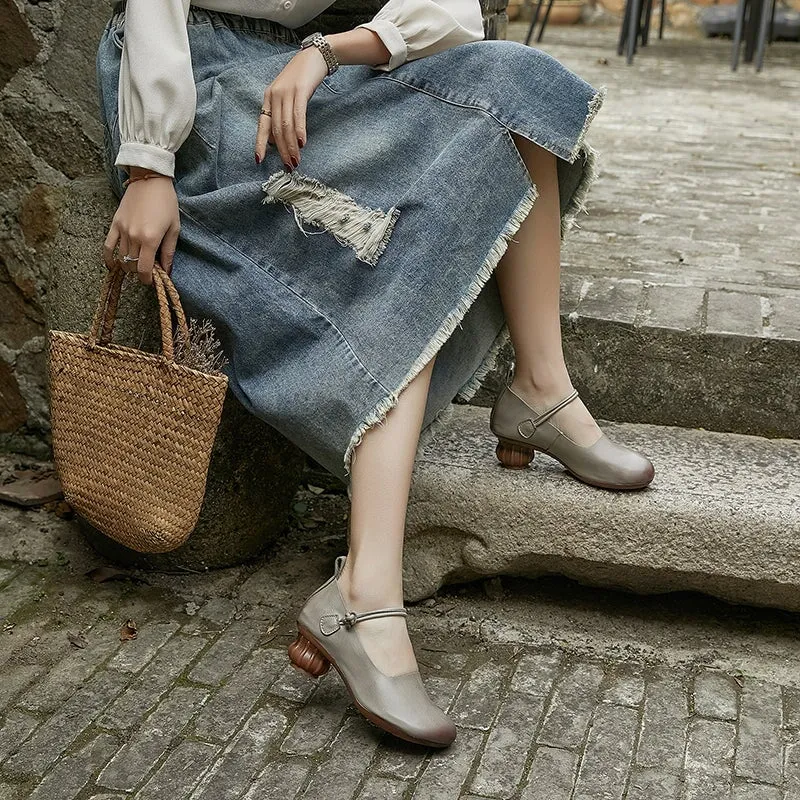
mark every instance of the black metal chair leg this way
{"type": "Point", "coordinates": [544, 21]}
{"type": "Point", "coordinates": [533, 22]}
{"type": "Point", "coordinates": [741, 8]}
{"type": "Point", "coordinates": [661, 20]}
{"type": "Point", "coordinates": [648, 12]}
{"type": "Point", "coordinates": [762, 36]}
{"type": "Point", "coordinates": [772, 23]}
{"type": "Point", "coordinates": [623, 31]}
{"type": "Point", "coordinates": [751, 29]}
{"type": "Point", "coordinates": [633, 32]}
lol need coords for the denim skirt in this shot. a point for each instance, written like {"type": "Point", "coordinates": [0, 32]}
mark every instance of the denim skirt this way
{"type": "Point", "coordinates": [332, 286]}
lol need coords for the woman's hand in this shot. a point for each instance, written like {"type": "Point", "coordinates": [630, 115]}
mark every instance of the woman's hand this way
{"type": "Point", "coordinates": [287, 97]}
{"type": "Point", "coordinates": [146, 222]}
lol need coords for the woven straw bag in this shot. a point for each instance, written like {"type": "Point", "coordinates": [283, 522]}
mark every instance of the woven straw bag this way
{"type": "Point", "coordinates": [133, 431]}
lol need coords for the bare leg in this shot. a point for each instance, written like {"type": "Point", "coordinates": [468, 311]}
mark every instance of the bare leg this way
{"type": "Point", "coordinates": [529, 278]}
{"type": "Point", "coordinates": [380, 482]}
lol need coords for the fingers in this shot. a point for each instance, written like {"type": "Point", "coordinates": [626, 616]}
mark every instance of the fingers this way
{"type": "Point", "coordinates": [144, 266]}
{"type": "Point", "coordinates": [289, 125]}
{"type": "Point", "coordinates": [262, 134]}
{"type": "Point", "coordinates": [121, 242]}
{"type": "Point", "coordinates": [279, 129]}
{"type": "Point", "coordinates": [300, 103]}
{"type": "Point", "coordinates": [168, 246]}
{"type": "Point", "coordinates": [124, 249]}
{"type": "Point", "coordinates": [109, 244]}
{"type": "Point", "coordinates": [286, 127]}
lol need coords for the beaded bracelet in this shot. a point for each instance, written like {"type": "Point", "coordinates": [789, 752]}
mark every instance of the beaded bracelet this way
{"type": "Point", "coordinates": [142, 177]}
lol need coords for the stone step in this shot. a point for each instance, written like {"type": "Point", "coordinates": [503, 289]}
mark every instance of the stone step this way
{"type": "Point", "coordinates": [641, 351]}
{"type": "Point", "coordinates": [722, 515]}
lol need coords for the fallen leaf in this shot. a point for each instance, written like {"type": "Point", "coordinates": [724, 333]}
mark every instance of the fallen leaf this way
{"type": "Point", "coordinates": [61, 508]}
{"type": "Point", "coordinates": [315, 489]}
{"type": "Point", "coordinates": [128, 631]}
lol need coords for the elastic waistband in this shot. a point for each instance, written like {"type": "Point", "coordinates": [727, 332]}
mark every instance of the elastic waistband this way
{"type": "Point", "coordinates": [221, 19]}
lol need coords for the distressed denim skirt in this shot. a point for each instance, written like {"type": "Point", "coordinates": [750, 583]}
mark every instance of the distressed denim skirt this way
{"type": "Point", "coordinates": [331, 287]}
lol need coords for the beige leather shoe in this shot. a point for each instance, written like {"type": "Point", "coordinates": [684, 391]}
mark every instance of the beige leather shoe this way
{"type": "Point", "coordinates": [397, 703]}
{"type": "Point", "coordinates": [522, 430]}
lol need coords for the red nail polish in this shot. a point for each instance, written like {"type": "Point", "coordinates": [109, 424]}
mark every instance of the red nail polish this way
{"type": "Point", "coordinates": [258, 158]}
{"type": "Point", "coordinates": [295, 162]}
{"type": "Point", "coordinates": [301, 143]}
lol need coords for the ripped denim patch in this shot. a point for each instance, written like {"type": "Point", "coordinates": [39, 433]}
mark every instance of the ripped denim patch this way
{"type": "Point", "coordinates": [366, 230]}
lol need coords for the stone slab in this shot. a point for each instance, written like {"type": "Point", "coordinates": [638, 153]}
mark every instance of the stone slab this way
{"type": "Point", "coordinates": [721, 516]}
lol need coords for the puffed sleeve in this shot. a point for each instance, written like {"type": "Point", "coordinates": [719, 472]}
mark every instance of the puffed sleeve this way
{"type": "Point", "coordinates": [157, 95]}
{"type": "Point", "coordinates": [415, 28]}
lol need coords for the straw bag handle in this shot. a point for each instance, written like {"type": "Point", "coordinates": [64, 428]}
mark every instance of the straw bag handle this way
{"type": "Point", "coordinates": [103, 323]}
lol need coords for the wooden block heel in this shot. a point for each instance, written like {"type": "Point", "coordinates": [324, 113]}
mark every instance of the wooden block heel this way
{"type": "Point", "coordinates": [514, 456]}
{"type": "Point", "coordinates": [306, 656]}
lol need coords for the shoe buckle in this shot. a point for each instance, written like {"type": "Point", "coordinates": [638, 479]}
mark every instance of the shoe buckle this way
{"type": "Point", "coordinates": [522, 433]}
{"type": "Point", "coordinates": [544, 416]}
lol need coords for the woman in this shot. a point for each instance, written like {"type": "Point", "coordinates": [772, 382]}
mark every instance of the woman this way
{"type": "Point", "coordinates": [365, 239]}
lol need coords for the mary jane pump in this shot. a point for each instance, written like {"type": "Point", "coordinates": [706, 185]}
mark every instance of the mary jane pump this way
{"type": "Point", "coordinates": [397, 703]}
{"type": "Point", "coordinates": [521, 431]}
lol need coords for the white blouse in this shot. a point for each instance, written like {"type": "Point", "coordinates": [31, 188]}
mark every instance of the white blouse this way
{"type": "Point", "coordinates": [157, 97]}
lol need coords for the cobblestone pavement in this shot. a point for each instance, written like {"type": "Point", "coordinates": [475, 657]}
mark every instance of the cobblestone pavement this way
{"type": "Point", "coordinates": [559, 691]}
{"type": "Point", "coordinates": [692, 224]}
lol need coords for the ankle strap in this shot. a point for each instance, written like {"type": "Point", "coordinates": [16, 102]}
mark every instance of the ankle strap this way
{"type": "Point", "coordinates": [330, 623]}
{"type": "Point", "coordinates": [351, 618]}
{"type": "Point", "coordinates": [535, 422]}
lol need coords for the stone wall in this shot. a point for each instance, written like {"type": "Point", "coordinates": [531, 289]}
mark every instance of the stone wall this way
{"type": "Point", "coordinates": [50, 135]}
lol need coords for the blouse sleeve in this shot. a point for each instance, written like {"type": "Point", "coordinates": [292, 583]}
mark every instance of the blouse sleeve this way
{"type": "Point", "coordinates": [157, 95]}
{"type": "Point", "coordinates": [415, 28]}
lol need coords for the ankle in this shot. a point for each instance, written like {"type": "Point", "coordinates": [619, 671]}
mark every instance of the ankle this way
{"type": "Point", "coordinates": [365, 593]}
{"type": "Point", "coordinates": [541, 374]}
{"type": "Point", "coordinates": [550, 386]}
